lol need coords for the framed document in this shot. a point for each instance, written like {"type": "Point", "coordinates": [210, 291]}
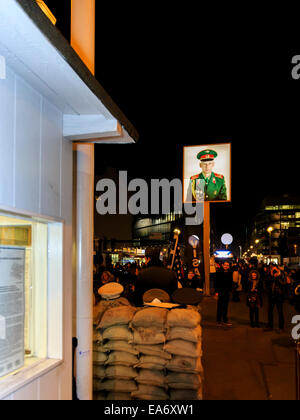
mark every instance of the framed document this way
{"type": "Point", "coordinates": [12, 308]}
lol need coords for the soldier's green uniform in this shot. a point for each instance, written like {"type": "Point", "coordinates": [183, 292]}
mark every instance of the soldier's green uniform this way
{"type": "Point", "coordinates": [212, 188]}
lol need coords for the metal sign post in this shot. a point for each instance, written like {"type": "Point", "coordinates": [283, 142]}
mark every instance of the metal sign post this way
{"type": "Point", "coordinates": [206, 247]}
{"type": "Point", "coordinates": [297, 368]}
{"type": "Point", "coordinates": [173, 251]}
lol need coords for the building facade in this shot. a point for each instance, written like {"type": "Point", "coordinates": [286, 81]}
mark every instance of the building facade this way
{"type": "Point", "coordinates": [277, 227]}
{"type": "Point", "coordinates": [157, 228]}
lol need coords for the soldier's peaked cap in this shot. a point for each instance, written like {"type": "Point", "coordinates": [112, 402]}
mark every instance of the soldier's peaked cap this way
{"type": "Point", "coordinates": [207, 154]}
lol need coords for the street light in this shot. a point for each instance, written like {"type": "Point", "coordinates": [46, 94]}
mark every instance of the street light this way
{"type": "Point", "coordinates": [270, 230]}
{"type": "Point", "coordinates": [240, 251]}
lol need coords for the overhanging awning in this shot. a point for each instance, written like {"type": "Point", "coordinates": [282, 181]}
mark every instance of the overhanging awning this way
{"type": "Point", "coordinates": [37, 51]}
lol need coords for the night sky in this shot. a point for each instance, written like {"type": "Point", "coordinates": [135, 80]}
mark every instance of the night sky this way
{"type": "Point", "coordinates": [183, 77]}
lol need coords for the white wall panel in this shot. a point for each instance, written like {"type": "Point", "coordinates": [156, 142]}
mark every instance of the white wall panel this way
{"type": "Point", "coordinates": [50, 386]}
{"type": "Point", "coordinates": [27, 147]}
{"type": "Point", "coordinates": [66, 181]}
{"type": "Point", "coordinates": [66, 214]}
{"type": "Point", "coordinates": [28, 392]}
{"type": "Point", "coordinates": [36, 176]}
{"type": "Point", "coordinates": [51, 138]}
{"type": "Point", "coordinates": [7, 106]}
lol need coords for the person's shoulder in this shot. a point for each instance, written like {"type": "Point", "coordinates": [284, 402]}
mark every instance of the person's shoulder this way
{"type": "Point", "coordinates": [165, 271]}
{"type": "Point", "coordinates": [195, 177]}
{"type": "Point", "coordinates": [219, 176]}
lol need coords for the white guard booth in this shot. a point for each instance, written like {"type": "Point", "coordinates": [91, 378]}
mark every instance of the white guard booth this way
{"type": "Point", "coordinates": [52, 111]}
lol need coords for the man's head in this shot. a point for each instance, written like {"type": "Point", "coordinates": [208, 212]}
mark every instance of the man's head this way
{"type": "Point", "coordinates": [207, 161]}
{"type": "Point", "coordinates": [207, 167]}
{"type": "Point", "coordinates": [226, 266]}
{"type": "Point", "coordinates": [152, 254]}
{"type": "Point", "coordinates": [254, 275]}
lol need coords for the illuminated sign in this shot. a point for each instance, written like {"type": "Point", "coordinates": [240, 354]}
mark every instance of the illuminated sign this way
{"type": "Point", "coordinates": [194, 241]}
{"type": "Point", "coordinates": [227, 239]}
{"type": "Point", "coordinates": [223, 254]}
{"type": "Point", "coordinates": [207, 173]}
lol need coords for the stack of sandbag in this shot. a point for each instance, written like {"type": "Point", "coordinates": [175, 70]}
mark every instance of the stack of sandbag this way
{"type": "Point", "coordinates": [149, 336]}
{"type": "Point", "coordinates": [148, 354]}
{"type": "Point", "coordinates": [99, 359]}
{"type": "Point", "coordinates": [115, 355]}
{"type": "Point", "coordinates": [103, 305]}
{"type": "Point", "coordinates": [184, 343]}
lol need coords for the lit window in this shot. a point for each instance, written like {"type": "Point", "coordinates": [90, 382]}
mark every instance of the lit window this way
{"type": "Point", "coordinates": [30, 276]}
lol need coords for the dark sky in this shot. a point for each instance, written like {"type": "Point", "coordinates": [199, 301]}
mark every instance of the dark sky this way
{"type": "Point", "coordinates": [183, 77]}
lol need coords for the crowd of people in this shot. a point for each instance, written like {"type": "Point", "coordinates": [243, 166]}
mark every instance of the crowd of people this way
{"type": "Point", "coordinates": [257, 282]}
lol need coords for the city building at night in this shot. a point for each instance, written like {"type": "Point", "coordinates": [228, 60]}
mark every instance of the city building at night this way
{"type": "Point", "coordinates": [157, 228]}
{"type": "Point", "coordinates": [277, 228]}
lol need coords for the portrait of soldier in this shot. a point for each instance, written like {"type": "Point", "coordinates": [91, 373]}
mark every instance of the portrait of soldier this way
{"type": "Point", "coordinates": [207, 185]}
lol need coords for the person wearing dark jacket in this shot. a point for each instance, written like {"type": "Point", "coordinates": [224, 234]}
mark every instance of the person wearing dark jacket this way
{"type": "Point", "coordinates": [223, 287]}
{"type": "Point", "coordinates": [155, 276]}
{"type": "Point", "coordinates": [276, 288]}
{"type": "Point", "coordinates": [254, 297]}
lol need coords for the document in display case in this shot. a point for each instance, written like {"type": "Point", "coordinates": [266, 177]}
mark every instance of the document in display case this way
{"type": "Point", "coordinates": [12, 309]}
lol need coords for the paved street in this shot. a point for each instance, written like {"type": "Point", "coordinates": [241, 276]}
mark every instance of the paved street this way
{"type": "Point", "coordinates": [242, 363]}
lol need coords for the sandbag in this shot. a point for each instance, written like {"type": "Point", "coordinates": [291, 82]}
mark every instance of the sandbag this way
{"type": "Point", "coordinates": [151, 377]}
{"type": "Point", "coordinates": [103, 305]}
{"type": "Point", "coordinates": [120, 372]}
{"type": "Point", "coordinates": [99, 396]}
{"type": "Point", "coordinates": [120, 346]}
{"type": "Point", "coordinates": [149, 335]}
{"type": "Point", "coordinates": [185, 364]}
{"type": "Point", "coordinates": [188, 334]}
{"type": "Point", "coordinates": [99, 358]}
{"type": "Point", "coordinates": [121, 315]}
{"type": "Point", "coordinates": [97, 336]}
{"type": "Point", "coordinates": [184, 348]}
{"type": "Point", "coordinates": [121, 358]}
{"type": "Point", "coordinates": [154, 350]}
{"type": "Point", "coordinates": [183, 381]}
{"type": "Point", "coordinates": [98, 372]}
{"type": "Point", "coordinates": [117, 385]}
{"type": "Point", "coordinates": [117, 332]}
{"type": "Point", "coordinates": [185, 394]}
{"type": "Point", "coordinates": [97, 385]}
{"type": "Point", "coordinates": [118, 396]}
{"type": "Point", "coordinates": [186, 318]}
{"type": "Point", "coordinates": [150, 317]}
{"type": "Point", "coordinates": [151, 362]}
{"type": "Point", "coordinates": [149, 392]}
{"type": "Point", "coordinates": [99, 347]}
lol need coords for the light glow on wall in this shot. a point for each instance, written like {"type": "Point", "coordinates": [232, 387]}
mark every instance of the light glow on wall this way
{"type": "Point", "coordinates": [47, 11]}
